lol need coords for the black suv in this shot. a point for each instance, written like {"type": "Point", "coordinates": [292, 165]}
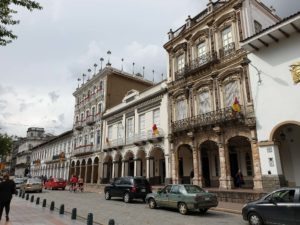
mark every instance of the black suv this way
{"type": "Point", "coordinates": [128, 188]}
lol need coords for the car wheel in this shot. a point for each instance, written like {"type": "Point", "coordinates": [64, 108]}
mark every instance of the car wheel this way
{"type": "Point", "coordinates": [127, 197]}
{"type": "Point", "coordinates": [203, 210]}
{"type": "Point", "coordinates": [152, 203]}
{"type": "Point", "coordinates": [182, 208]}
{"type": "Point", "coordinates": [254, 219]}
{"type": "Point", "coordinates": [107, 195]}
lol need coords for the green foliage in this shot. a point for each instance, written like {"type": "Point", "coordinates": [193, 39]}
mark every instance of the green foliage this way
{"type": "Point", "coordinates": [6, 19]}
{"type": "Point", "coordinates": [5, 144]}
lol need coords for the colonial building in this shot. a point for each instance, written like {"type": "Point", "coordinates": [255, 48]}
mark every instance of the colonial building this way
{"type": "Point", "coordinates": [208, 75]}
{"type": "Point", "coordinates": [275, 84]}
{"type": "Point", "coordinates": [135, 135]}
{"type": "Point", "coordinates": [100, 92]}
{"type": "Point", "coordinates": [52, 158]}
{"type": "Point", "coordinates": [35, 136]}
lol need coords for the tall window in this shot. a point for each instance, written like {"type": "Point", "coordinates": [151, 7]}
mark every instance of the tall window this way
{"type": "Point", "coordinates": [231, 92]}
{"type": "Point", "coordinates": [109, 133]}
{"type": "Point", "coordinates": [100, 108]}
{"type": "Point", "coordinates": [101, 85]}
{"type": "Point", "coordinates": [81, 117]}
{"type": "Point", "coordinates": [92, 138]}
{"type": "Point", "coordinates": [142, 124]}
{"type": "Point", "coordinates": [93, 111]}
{"type": "Point", "coordinates": [85, 139]}
{"type": "Point", "coordinates": [98, 137]}
{"type": "Point", "coordinates": [227, 37]}
{"type": "Point", "coordinates": [156, 117]}
{"type": "Point", "coordinates": [203, 102]}
{"type": "Point", "coordinates": [248, 165]}
{"type": "Point", "coordinates": [119, 130]}
{"type": "Point", "coordinates": [201, 52]}
{"type": "Point", "coordinates": [180, 62]}
{"type": "Point", "coordinates": [129, 128]}
{"type": "Point", "coordinates": [181, 110]}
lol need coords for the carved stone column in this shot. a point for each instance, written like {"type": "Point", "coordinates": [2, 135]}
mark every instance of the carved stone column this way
{"type": "Point", "coordinates": [174, 156]}
{"type": "Point", "coordinates": [92, 174]}
{"type": "Point", "coordinates": [257, 179]}
{"type": "Point", "coordinates": [85, 173]}
{"type": "Point", "coordinates": [197, 180]}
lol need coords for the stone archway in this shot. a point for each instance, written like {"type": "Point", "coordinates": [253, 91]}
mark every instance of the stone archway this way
{"type": "Point", "coordinates": [129, 164]}
{"type": "Point", "coordinates": [96, 167]}
{"type": "Point", "coordinates": [77, 168]}
{"type": "Point", "coordinates": [185, 164]}
{"type": "Point", "coordinates": [107, 170]}
{"type": "Point", "coordinates": [89, 171]}
{"type": "Point", "coordinates": [240, 158]}
{"type": "Point", "coordinates": [157, 166]}
{"type": "Point", "coordinates": [287, 136]}
{"type": "Point", "coordinates": [118, 165]}
{"type": "Point", "coordinates": [72, 169]}
{"type": "Point", "coordinates": [83, 169]}
{"type": "Point", "coordinates": [141, 165]}
{"type": "Point", "coordinates": [210, 163]}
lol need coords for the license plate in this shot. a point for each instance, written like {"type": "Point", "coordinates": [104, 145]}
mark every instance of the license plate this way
{"type": "Point", "coordinates": [143, 190]}
{"type": "Point", "coordinates": [207, 198]}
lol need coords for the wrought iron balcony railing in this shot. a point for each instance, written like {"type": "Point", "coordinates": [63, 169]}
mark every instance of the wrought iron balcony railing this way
{"type": "Point", "coordinates": [195, 64]}
{"type": "Point", "coordinates": [213, 118]}
{"type": "Point", "coordinates": [90, 120]}
{"type": "Point", "coordinates": [78, 125]}
{"type": "Point", "coordinates": [83, 149]}
{"type": "Point", "coordinates": [227, 50]}
{"type": "Point", "coordinates": [114, 144]}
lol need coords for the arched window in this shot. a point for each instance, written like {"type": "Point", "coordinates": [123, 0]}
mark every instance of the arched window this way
{"type": "Point", "coordinates": [181, 109]}
{"type": "Point", "coordinates": [203, 102]}
{"type": "Point", "coordinates": [100, 108]}
{"type": "Point", "coordinates": [231, 91]}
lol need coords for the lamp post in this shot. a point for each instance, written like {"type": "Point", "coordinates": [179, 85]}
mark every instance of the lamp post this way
{"type": "Point", "coordinates": [153, 76]}
{"type": "Point", "coordinates": [122, 60]}
{"type": "Point", "coordinates": [95, 66]}
{"type": "Point", "coordinates": [83, 76]}
{"type": "Point", "coordinates": [89, 71]}
{"type": "Point", "coordinates": [78, 79]}
{"type": "Point", "coordinates": [143, 71]}
{"type": "Point", "coordinates": [108, 58]}
{"type": "Point", "coordinates": [133, 68]}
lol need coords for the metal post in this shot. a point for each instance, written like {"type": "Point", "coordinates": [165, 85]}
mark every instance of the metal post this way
{"type": "Point", "coordinates": [44, 202]}
{"type": "Point", "coordinates": [23, 195]}
{"type": "Point", "coordinates": [27, 196]}
{"type": "Point", "coordinates": [20, 193]}
{"type": "Point", "coordinates": [74, 214]}
{"type": "Point", "coordinates": [90, 219]}
{"type": "Point", "coordinates": [52, 206]}
{"type": "Point", "coordinates": [37, 200]}
{"type": "Point", "coordinates": [111, 222]}
{"type": "Point", "coordinates": [32, 198]}
{"type": "Point", "coordinates": [62, 209]}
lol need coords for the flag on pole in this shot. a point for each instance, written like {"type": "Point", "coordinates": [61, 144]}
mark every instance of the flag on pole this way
{"type": "Point", "coordinates": [236, 107]}
{"type": "Point", "coordinates": [155, 130]}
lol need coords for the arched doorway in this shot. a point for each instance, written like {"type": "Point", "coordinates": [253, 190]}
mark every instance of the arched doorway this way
{"type": "Point", "coordinates": [118, 166]}
{"type": "Point", "coordinates": [157, 166]}
{"type": "Point", "coordinates": [287, 136]}
{"type": "Point", "coordinates": [185, 164]}
{"type": "Point", "coordinates": [89, 171]}
{"type": "Point", "coordinates": [107, 170]}
{"type": "Point", "coordinates": [96, 167]}
{"type": "Point", "coordinates": [240, 158]}
{"type": "Point", "coordinates": [83, 168]}
{"type": "Point", "coordinates": [210, 163]}
{"type": "Point", "coordinates": [72, 169]}
{"type": "Point", "coordinates": [141, 163]}
{"type": "Point", "coordinates": [77, 168]}
{"type": "Point", "coordinates": [129, 164]}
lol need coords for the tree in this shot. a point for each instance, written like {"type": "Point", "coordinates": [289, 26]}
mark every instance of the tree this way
{"type": "Point", "coordinates": [6, 19]}
{"type": "Point", "coordinates": [5, 144]}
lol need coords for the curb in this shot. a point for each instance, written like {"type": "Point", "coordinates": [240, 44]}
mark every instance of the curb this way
{"type": "Point", "coordinates": [227, 210]}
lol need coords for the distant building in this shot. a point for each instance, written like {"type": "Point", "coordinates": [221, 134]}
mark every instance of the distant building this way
{"type": "Point", "coordinates": [213, 126]}
{"type": "Point", "coordinates": [275, 84]}
{"type": "Point", "coordinates": [34, 137]}
{"type": "Point", "coordinates": [103, 90]}
{"type": "Point", "coordinates": [52, 157]}
{"type": "Point", "coordinates": [135, 137]}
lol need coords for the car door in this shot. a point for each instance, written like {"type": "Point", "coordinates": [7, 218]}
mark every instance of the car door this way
{"type": "Point", "coordinates": [283, 209]}
{"type": "Point", "coordinates": [114, 187]}
{"type": "Point", "coordinates": [163, 196]}
{"type": "Point", "coordinates": [175, 196]}
{"type": "Point", "coordinates": [297, 207]}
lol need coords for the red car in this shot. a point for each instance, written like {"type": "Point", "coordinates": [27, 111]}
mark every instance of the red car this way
{"type": "Point", "coordinates": [55, 183]}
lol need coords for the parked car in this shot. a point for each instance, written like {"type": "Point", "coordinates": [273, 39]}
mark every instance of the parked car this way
{"type": "Point", "coordinates": [55, 183]}
{"type": "Point", "coordinates": [32, 184]}
{"type": "Point", "coordinates": [184, 197]}
{"type": "Point", "coordinates": [128, 188]}
{"type": "Point", "coordinates": [19, 182]}
{"type": "Point", "coordinates": [278, 207]}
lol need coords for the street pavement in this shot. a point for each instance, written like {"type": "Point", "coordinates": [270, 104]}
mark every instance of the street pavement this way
{"type": "Point", "coordinates": [137, 212]}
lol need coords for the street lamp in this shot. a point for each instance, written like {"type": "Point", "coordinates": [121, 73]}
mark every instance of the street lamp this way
{"type": "Point", "coordinates": [95, 66]}
{"type": "Point", "coordinates": [101, 61]}
{"type": "Point", "coordinates": [108, 56]}
{"type": "Point", "coordinates": [83, 76]}
{"type": "Point", "coordinates": [133, 68]}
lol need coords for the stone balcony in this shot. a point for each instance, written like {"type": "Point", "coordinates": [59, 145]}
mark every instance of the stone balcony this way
{"type": "Point", "coordinates": [216, 118]}
{"type": "Point", "coordinates": [114, 144]}
{"type": "Point", "coordinates": [90, 120]}
{"type": "Point", "coordinates": [78, 125]}
{"type": "Point", "coordinates": [83, 150]}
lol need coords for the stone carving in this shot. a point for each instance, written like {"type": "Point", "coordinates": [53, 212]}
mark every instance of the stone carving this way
{"type": "Point", "coordinates": [295, 70]}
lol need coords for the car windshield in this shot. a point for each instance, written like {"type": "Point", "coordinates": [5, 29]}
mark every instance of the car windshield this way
{"type": "Point", "coordinates": [191, 189]}
{"type": "Point", "coordinates": [34, 180]}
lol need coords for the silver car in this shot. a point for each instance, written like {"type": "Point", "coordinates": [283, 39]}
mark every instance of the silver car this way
{"type": "Point", "coordinates": [32, 184]}
{"type": "Point", "coordinates": [19, 182]}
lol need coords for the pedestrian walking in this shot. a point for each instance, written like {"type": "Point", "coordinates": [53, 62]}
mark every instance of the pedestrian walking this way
{"type": "Point", "coordinates": [239, 179]}
{"type": "Point", "coordinates": [7, 189]}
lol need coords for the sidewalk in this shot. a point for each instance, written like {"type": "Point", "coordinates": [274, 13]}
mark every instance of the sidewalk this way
{"type": "Point", "coordinates": [24, 212]}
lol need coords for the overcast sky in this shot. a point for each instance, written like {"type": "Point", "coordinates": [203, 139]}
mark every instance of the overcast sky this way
{"type": "Point", "coordinates": [56, 45]}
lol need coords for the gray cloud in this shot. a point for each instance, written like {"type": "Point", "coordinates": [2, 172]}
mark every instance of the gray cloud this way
{"type": "Point", "coordinates": [53, 96]}
{"type": "Point", "coordinates": [61, 118]}
{"type": "Point", "coordinates": [3, 104]}
{"type": "Point", "coordinates": [24, 106]}
{"type": "Point", "coordinates": [7, 90]}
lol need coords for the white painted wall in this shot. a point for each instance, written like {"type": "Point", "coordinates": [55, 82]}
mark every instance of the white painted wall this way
{"type": "Point", "coordinates": [277, 99]}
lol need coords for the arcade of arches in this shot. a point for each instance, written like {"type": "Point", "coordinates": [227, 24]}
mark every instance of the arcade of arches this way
{"type": "Point", "coordinates": [88, 169]}
{"type": "Point", "coordinates": [59, 169]}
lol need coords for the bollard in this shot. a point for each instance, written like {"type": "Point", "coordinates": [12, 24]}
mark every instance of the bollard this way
{"type": "Point", "coordinates": [74, 214]}
{"type": "Point", "coordinates": [111, 222]}
{"type": "Point", "coordinates": [20, 193]}
{"type": "Point", "coordinates": [23, 194]}
{"type": "Point", "coordinates": [52, 206]}
{"type": "Point", "coordinates": [62, 209]}
{"type": "Point", "coordinates": [44, 203]}
{"type": "Point", "coordinates": [37, 200]}
{"type": "Point", "coordinates": [89, 219]}
{"type": "Point", "coordinates": [27, 196]}
{"type": "Point", "coordinates": [32, 198]}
